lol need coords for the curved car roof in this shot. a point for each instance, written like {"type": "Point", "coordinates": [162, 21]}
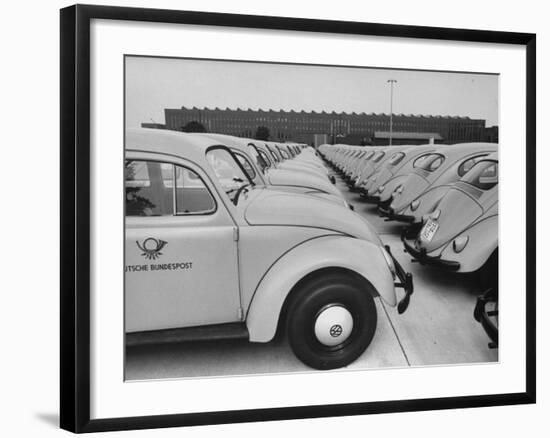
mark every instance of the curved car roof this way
{"type": "Point", "coordinates": [457, 151]}
{"type": "Point", "coordinates": [163, 141]}
{"type": "Point", "coordinates": [491, 156]}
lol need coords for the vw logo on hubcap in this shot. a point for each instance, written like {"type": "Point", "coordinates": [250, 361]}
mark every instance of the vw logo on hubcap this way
{"type": "Point", "coordinates": [333, 325]}
{"type": "Point", "coordinates": [336, 330]}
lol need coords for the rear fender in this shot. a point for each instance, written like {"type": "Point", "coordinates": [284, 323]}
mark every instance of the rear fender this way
{"type": "Point", "coordinates": [360, 256]}
{"type": "Point", "coordinates": [389, 187]}
{"type": "Point", "coordinates": [482, 242]}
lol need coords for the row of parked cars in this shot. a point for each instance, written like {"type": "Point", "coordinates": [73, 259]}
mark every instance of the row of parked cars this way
{"type": "Point", "coordinates": [239, 238]}
{"type": "Point", "coordinates": [447, 195]}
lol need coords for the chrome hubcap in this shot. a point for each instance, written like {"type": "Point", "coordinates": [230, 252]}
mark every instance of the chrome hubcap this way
{"type": "Point", "coordinates": [333, 325]}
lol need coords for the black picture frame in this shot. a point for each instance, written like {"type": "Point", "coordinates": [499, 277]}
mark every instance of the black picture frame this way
{"type": "Point", "coordinates": [75, 216]}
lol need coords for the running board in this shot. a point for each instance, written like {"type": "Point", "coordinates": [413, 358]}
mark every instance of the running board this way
{"type": "Point", "coordinates": [217, 332]}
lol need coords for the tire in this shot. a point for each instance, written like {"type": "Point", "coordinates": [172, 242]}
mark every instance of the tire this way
{"type": "Point", "coordinates": [318, 327]}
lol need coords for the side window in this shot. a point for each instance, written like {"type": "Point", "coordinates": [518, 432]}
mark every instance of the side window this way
{"type": "Point", "coordinates": [146, 193]}
{"type": "Point", "coordinates": [192, 195]}
{"type": "Point", "coordinates": [468, 164]}
{"type": "Point", "coordinates": [163, 189]}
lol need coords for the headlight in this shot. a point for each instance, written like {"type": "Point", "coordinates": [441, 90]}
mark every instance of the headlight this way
{"type": "Point", "coordinates": [414, 205]}
{"type": "Point", "coordinates": [381, 188]}
{"type": "Point", "coordinates": [389, 261]}
{"type": "Point", "coordinates": [460, 243]}
{"type": "Point", "coordinates": [398, 190]}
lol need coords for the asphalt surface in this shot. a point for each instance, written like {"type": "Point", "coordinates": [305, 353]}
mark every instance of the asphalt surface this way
{"type": "Point", "coordinates": [437, 329]}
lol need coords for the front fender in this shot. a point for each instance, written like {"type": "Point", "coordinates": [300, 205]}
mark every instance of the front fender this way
{"type": "Point", "coordinates": [360, 256]}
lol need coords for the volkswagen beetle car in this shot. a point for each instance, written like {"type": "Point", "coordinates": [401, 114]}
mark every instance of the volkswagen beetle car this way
{"type": "Point", "coordinates": [279, 161]}
{"type": "Point", "coordinates": [209, 254]}
{"type": "Point", "coordinates": [310, 165]}
{"type": "Point", "coordinates": [392, 176]}
{"type": "Point", "coordinates": [370, 165]}
{"type": "Point", "coordinates": [430, 171]}
{"type": "Point", "coordinates": [380, 160]}
{"type": "Point", "coordinates": [461, 234]}
{"type": "Point", "coordinates": [428, 200]}
{"type": "Point", "coordinates": [392, 161]}
{"type": "Point", "coordinates": [283, 179]}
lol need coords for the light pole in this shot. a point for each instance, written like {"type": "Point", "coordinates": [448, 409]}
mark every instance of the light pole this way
{"type": "Point", "coordinates": [391, 82]}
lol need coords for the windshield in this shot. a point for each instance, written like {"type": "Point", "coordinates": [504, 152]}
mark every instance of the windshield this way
{"type": "Point", "coordinates": [273, 154]}
{"type": "Point", "coordinates": [483, 175]}
{"type": "Point", "coordinates": [429, 162]}
{"type": "Point", "coordinates": [230, 175]}
{"type": "Point", "coordinates": [258, 157]}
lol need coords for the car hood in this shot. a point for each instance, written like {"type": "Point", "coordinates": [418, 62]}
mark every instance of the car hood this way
{"type": "Point", "coordinates": [272, 207]}
{"type": "Point", "coordinates": [283, 177]}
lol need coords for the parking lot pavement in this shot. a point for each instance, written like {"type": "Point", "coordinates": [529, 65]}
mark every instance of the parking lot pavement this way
{"type": "Point", "coordinates": [438, 328]}
{"type": "Point", "coordinates": [242, 357]}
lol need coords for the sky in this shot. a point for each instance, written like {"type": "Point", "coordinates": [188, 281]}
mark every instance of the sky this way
{"type": "Point", "coordinates": [153, 84]}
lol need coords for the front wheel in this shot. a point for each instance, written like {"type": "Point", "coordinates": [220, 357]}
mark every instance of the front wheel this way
{"type": "Point", "coordinates": [331, 321]}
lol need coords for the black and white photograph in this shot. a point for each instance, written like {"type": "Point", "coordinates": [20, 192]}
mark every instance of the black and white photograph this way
{"type": "Point", "coordinates": [279, 218]}
{"type": "Point", "coordinates": [289, 218]}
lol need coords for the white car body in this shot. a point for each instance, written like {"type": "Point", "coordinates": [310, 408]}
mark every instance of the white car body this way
{"type": "Point", "coordinates": [232, 260]}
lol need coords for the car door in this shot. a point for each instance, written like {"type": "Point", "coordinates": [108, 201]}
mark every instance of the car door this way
{"type": "Point", "coordinates": [180, 249]}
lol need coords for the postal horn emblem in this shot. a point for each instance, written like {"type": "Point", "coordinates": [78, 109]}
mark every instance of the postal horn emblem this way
{"type": "Point", "coordinates": [151, 248]}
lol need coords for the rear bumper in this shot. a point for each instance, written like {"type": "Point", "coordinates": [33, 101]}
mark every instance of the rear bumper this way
{"type": "Point", "coordinates": [405, 281]}
{"type": "Point", "coordinates": [482, 315]}
{"type": "Point", "coordinates": [384, 210]}
{"type": "Point", "coordinates": [371, 199]}
{"type": "Point", "coordinates": [424, 259]}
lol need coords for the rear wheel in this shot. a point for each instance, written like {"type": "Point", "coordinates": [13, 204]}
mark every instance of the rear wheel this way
{"type": "Point", "coordinates": [331, 321]}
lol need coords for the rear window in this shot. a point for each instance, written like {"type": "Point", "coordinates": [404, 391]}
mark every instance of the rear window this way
{"type": "Point", "coordinates": [465, 167]}
{"type": "Point", "coordinates": [483, 175]}
{"type": "Point", "coordinates": [369, 155]}
{"type": "Point", "coordinates": [396, 158]}
{"type": "Point", "coordinates": [378, 156]}
{"type": "Point", "coordinates": [429, 162]}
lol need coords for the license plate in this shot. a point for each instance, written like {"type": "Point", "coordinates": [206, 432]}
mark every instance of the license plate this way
{"type": "Point", "coordinates": [428, 230]}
